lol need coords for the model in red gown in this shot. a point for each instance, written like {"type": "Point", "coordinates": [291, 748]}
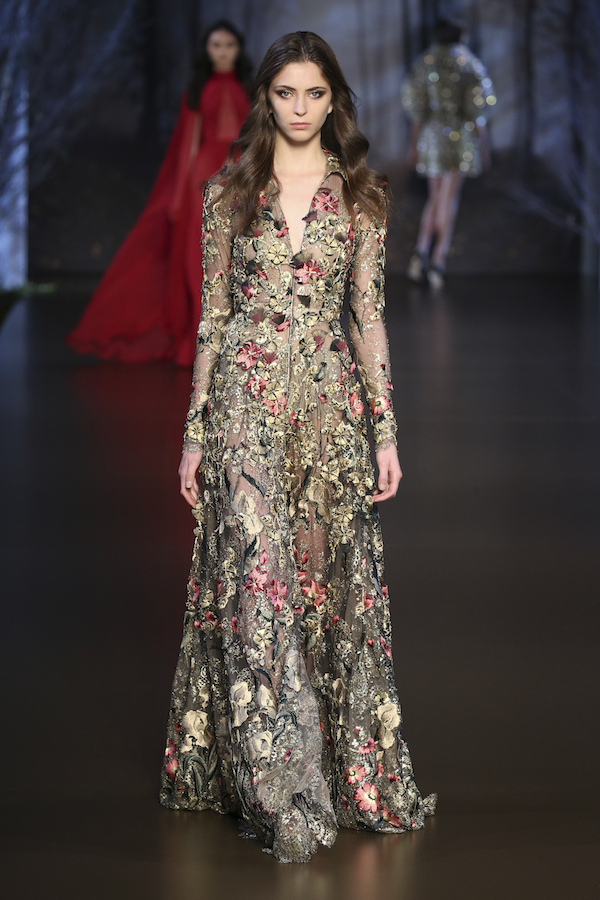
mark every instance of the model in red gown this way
{"type": "Point", "coordinates": [147, 306]}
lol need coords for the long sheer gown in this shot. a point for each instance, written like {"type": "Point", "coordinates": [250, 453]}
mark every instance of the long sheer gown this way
{"type": "Point", "coordinates": [284, 706]}
{"type": "Point", "coordinates": [147, 305]}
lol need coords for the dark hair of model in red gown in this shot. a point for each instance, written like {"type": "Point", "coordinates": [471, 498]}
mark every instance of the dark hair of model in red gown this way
{"type": "Point", "coordinates": [147, 305]}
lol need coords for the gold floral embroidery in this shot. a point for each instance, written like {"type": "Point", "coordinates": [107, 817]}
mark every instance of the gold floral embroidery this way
{"type": "Point", "coordinates": [287, 620]}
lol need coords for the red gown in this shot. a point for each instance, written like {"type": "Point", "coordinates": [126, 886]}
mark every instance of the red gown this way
{"type": "Point", "coordinates": [147, 305]}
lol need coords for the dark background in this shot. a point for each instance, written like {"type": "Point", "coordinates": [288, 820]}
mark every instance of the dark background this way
{"type": "Point", "coordinates": [491, 547]}
{"type": "Point", "coordinates": [537, 211]}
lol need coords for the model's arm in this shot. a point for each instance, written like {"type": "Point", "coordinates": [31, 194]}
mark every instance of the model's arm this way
{"type": "Point", "coordinates": [369, 340]}
{"type": "Point", "coordinates": [413, 94]}
{"type": "Point", "coordinates": [216, 312]}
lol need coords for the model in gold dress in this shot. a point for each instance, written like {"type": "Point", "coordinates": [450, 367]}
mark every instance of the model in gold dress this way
{"type": "Point", "coordinates": [447, 95]}
{"type": "Point", "coordinates": [284, 708]}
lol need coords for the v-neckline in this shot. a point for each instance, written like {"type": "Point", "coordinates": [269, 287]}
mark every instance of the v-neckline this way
{"type": "Point", "coordinates": [284, 217]}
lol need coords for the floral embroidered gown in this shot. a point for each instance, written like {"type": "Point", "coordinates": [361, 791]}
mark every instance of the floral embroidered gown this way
{"type": "Point", "coordinates": [284, 706]}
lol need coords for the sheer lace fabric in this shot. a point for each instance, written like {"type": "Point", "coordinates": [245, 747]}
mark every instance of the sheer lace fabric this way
{"type": "Point", "coordinates": [284, 706]}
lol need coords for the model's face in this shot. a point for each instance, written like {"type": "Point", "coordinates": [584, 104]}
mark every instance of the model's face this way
{"type": "Point", "coordinates": [300, 99]}
{"type": "Point", "coordinates": [223, 49]}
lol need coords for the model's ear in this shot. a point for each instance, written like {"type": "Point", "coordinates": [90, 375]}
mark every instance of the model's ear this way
{"type": "Point", "coordinates": [330, 110]}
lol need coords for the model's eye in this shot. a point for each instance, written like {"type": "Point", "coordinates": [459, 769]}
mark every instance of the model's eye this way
{"type": "Point", "coordinates": [284, 94]}
{"type": "Point", "coordinates": [316, 94]}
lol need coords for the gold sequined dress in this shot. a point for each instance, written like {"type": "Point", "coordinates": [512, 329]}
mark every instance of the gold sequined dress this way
{"type": "Point", "coordinates": [449, 93]}
{"type": "Point", "coordinates": [284, 707]}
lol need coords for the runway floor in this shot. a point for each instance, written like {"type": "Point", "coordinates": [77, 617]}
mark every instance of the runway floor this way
{"type": "Point", "coordinates": [492, 552]}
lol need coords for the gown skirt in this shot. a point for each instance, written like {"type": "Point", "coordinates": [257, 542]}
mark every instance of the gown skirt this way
{"type": "Point", "coordinates": [148, 303]}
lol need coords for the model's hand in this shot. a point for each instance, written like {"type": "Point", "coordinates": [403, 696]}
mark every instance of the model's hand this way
{"type": "Point", "coordinates": [188, 468]}
{"type": "Point", "coordinates": [390, 474]}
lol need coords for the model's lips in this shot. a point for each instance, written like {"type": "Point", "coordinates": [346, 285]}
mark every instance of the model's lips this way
{"type": "Point", "coordinates": [300, 125]}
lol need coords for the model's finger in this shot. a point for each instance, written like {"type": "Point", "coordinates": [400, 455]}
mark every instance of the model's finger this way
{"type": "Point", "coordinates": [384, 477]}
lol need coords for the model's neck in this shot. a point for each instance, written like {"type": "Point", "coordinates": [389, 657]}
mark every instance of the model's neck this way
{"type": "Point", "coordinates": [292, 159]}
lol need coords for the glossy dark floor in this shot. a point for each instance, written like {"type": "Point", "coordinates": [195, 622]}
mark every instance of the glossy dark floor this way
{"type": "Point", "coordinates": [492, 552]}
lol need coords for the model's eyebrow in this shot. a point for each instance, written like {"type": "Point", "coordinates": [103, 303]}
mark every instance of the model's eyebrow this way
{"type": "Point", "coordinates": [286, 87]}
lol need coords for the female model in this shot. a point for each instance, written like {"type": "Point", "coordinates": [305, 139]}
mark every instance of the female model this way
{"type": "Point", "coordinates": [447, 94]}
{"type": "Point", "coordinates": [147, 306]}
{"type": "Point", "coordinates": [284, 706]}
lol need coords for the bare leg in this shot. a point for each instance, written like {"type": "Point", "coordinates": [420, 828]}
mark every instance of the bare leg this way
{"type": "Point", "coordinates": [429, 216]}
{"type": "Point", "coordinates": [446, 208]}
{"type": "Point", "coordinates": [417, 265]}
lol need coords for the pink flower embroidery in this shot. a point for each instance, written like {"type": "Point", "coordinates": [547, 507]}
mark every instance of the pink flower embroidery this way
{"type": "Point", "coordinates": [171, 767]}
{"type": "Point", "coordinates": [309, 270]}
{"type": "Point", "coordinates": [247, 355]}
{"type": "Point", "coordinates": [304, 559]}
{"type": "Point", "coordinates": [386, 647]}
{"type": "Point", "coordinates": [256, 582]}
{"type": "Point", "coordinates": [356, 405]}
{"type": "Point", "coordinates": [355, 774]}
{"type": "Point", "coordinates": [170, 748]}
{"type": "Point", "coordinates": [326, 201]}
{"type": "Point", "coordinates": [256, 385]}
{"type": "Point", "coordinates": [379, 405]}
{"type": "Point", "coordinates": [367, 798]}
{"type": "Point", "coordinates": [314, 592]}
{"type": "Point", "coordinates": [368, 747]}
{"type": "Point", "coordinates": [277, 594]}
{"type": "Point", "coordinates": [388, 817]}
{"type": "Point", "coordinates": [276, 405]}
{"type": "Point", "coordinates": [368, 600]}
{"type": "Point", "coordinates": [234, 624]}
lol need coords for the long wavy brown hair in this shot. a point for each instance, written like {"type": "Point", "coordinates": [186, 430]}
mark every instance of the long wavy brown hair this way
{"type": "Point", "coordinates": [250, 163]}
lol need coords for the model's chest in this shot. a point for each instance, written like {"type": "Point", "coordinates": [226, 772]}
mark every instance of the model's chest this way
{"type": "Point", "coordinates": [326, 237]}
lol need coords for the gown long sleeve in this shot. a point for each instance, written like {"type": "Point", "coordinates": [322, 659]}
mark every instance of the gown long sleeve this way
{"type": "Point", "coordinates": [367, 328]}
{"type": "Point", "coordinates": [216, 313]}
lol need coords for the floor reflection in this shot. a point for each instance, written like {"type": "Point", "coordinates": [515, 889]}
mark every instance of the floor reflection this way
{"type": "Point", "coordinates": [200, 851]}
